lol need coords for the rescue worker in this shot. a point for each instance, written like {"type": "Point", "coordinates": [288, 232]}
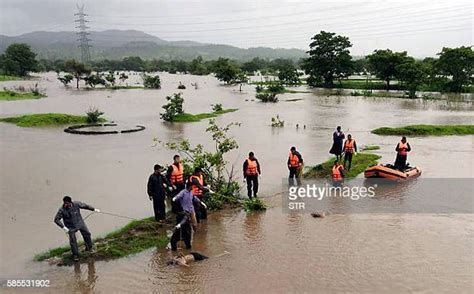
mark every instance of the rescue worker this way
{"type": "Point", "coordinates": [70, 213]}
{"type": "Point", "coordinates": [199, 187]}
{"type": "Point", "coordinates": [337, 173]}
{"type": "Point", "coordinates": [295, 163]}
{"type": "Point", "coordinates": [403, 147]}
{"type": "Point", "coordinates": [251, 171]}
{"type": "Point", "coordinates": [175, 176]}
{"type": "Point", "coordinates": [338, 138]}
{"type": "Point", "coordinates": [350, 147]}
{"type": "Point", "coordinates": [157, 193]}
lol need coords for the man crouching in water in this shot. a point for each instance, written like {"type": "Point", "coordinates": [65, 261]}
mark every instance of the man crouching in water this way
{"type": "Point", "coordinates": [186, 217]}
{"type": "Point", "coordinates": [186, 259]}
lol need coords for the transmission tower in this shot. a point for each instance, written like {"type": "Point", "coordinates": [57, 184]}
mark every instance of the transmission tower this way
{"type": "Point", "coordinates": [82, 33]}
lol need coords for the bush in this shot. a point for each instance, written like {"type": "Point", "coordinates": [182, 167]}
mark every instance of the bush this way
{"type": "Point", "coordinates": [217, 107]}
{"type": "Point", "coordinates": [181, 86]}
{"type": "Point", "coordinates": [173, 107]}
{"type": "Point", "coordinates": [66, 79]}
{"type": "Point", "coordinates": [267, 97]}
{"type": "Point", "coordinates": [93, 115]}
{"type": "Point", "coordinates": [151, 82]}
{"type": "Point", "coordinates": [254, 204]}
{"type": "Point", "coordinates": [275, 87]}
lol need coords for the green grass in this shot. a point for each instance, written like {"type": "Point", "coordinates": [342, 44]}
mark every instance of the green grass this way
{"type": "Point", "coordinates": [188, 117]}
{"type": "Point", "coordinates": [135, 237]}
{"type": "Point", "coordinates": [360, 162]}
{"type": "Point", "coordinates": [426, 130]}
{"type": "Point", "coordinates": [370, 147]}
{"type": "Point", "coordinates": [254, 204]}
{"type": "Point", "coordinates": [4, 78]}
{"type": "Point", "coordinates": [46, 120]}
{"type": "Point", "coordinates": [12, 95]}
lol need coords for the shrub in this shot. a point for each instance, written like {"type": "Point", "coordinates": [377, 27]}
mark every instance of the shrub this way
{"type": "Point", "coordinates": [173, 107]}
{"type": "Point", "coordinates": [151, 82]}
{"type": "Point", "coordinates": [267, 97]}
{"type": "Point", "coordinates": [254, 204]}
{"type": "Point", "coordinates": [276, 87]}
{"type": "Point", "coordinates": [276, 122]}
{"type": "Point", "coordinates": [181, 86]}
{"type": "Point", "coordinates": [93, 115]}
{"type": "Point", "coordinates": [217, 107]}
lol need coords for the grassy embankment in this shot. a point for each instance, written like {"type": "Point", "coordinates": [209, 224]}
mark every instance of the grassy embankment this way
{"type": "Point", "coordinates": [188, 117]}
{"type": "Point", "coordinates": [8, 95]}
{"type": "Point", "coordinates": [360, 162]}
{"type": "Point", "coordinates": [426, 130]}
{"type": "Point", "coordinates": [135, 237]}
{"type": "Point", "coordinates": [46, 120]}
{"type": "Point", "coordinates": [4, 78]}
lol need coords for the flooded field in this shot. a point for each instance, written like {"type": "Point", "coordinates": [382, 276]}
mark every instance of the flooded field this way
{"type": "Point", "coordinates": [269, 252]}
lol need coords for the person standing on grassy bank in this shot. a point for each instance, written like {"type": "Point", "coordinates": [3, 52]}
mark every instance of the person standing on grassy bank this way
{"type": "Point", "coordinates": [251, 170]}
{"type": "Point", "coordinates": [403, 147]}
{"type": "Point", "coordinates": [175, 176]}
{"type": "Point", "coordinates": [295, 164]}
{"type": "Point", "coordinates": [156, 193]}
{"type": "Point", "coordinates": [350, 147]}
{"type": "Point", "coordinates": [337, 138]}
{"type": "Point", "coordinates": [70, 213]}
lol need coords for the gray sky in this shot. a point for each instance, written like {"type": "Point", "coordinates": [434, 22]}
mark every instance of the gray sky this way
{"type": "Point", "coordinates": [420, 27]}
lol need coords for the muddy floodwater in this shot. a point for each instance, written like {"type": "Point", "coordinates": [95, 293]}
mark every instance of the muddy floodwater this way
{"type": "Point", "coordinates": [274, 251]}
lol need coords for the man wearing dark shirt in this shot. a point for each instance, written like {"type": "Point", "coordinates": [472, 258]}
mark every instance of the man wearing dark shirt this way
{"type": "Point", "coordinates": [156, 192]}
{"type": "Point", "coordinates": [251, 171]}
{"type": "Point", "coordinates": [70, 213]}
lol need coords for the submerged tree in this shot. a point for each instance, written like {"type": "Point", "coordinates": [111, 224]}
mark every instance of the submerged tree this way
{"type": "Point", "coordinates": [173, 107]}
{"type": "Point", "coordinates": [151, 82]}
{"type": "Point", "coordinates": [384, 64]}
{"type": "Point", "coordinates": [77, 69]}
{"type": "Point", "coordinates": [457, 63]}
{"type": "Point", "coordinates": [329, 59]}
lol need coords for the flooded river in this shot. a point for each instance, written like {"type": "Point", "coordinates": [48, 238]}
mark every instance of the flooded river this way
{"type": "Point", "coordinates": [273, 251]}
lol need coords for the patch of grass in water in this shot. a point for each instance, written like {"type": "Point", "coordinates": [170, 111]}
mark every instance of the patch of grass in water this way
{"type": "Point", "coordinates": [426, 130]}
{"type": "Point", "coordinates": [360, 162]}
{"type": "Point", "coordinates": [135, 237]}
{"type": "Point", "coordinates": [370, 147]}
{"type": "Point", "coordinates": [254, 204]}
{"type": "Point", "coordinates": [46, 120]}
{"type": "Point", "coordinates": [4, 78]}
{"type": "Point", "coordinates": [12, 95]}
{"type": "Point", "coordinates": [188, 117]}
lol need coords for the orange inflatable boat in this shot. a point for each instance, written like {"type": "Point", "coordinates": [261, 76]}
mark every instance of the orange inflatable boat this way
{"type": "Point", "coordinates": [389, 172]}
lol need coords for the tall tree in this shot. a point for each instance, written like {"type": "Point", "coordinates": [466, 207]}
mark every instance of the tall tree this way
{"type": "Point", "coordinates": [18, 60]}
{"type": "Point", "coordinates": [411, 74]}
{"type": "Point", "coordinates": [383, 63]}
{"type": "Point", "coordinates": [77, 69]}
{"type": "Point", "coordinates": [457, 63]}
{"type": "Point", "coordinates": [226, 70]}
{"type": "Point", "coordinates": [329, 59]}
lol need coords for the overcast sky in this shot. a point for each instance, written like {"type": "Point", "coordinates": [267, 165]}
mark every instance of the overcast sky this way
{"type": "Point", "coordinates": [420, 27]}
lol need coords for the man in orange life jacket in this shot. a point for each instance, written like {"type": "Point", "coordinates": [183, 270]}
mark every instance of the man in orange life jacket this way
{"type": "Point", "coordinates": [337, 173]}
{"type": "Point", "coordinates": [251, 172]}
{"type": "Point", "coordinates": [350, 148]}
{"type": "Point", "coordinates": [403, 147]}
{"type": "Point", "coordinates": [199, 187]}
{"type": "Point", "coordinates": [295, 162]}
{"type": "Point", "coordinates": [175, 176]}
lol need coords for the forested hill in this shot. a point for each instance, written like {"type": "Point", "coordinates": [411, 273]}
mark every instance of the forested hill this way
{"type": "Point", "coordinates": [116, 44]}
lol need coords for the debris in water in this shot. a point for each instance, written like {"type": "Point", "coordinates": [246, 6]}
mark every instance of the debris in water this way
{"type": "Point", "coordinates": [317, 214]}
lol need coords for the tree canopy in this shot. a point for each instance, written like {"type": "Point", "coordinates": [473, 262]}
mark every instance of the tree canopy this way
{"type": "Point", "coordinates": [18, 60]}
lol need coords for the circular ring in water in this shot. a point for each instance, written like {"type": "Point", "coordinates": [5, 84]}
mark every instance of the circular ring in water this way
{"type": "Point", "coordinates": [79, 129]}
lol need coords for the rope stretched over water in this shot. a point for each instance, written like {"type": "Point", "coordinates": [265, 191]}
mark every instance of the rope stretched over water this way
{"type": "Point", "coordinates": [112, 214]}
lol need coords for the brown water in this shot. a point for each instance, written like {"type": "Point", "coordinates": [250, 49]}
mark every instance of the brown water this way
{"type": "Point", "coordinates": [268, 252]}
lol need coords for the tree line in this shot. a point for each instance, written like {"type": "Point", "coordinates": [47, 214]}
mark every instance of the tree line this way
{"type": "Point", "coordinates": [329, 63]}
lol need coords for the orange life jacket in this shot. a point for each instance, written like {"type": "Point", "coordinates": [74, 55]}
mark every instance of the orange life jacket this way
{"type": "Point", "coordinates": [251, 167]}
{"type": "Point", "coordinates": [402, 148]}
{"type": "Point", "coordinates": [195, 189]}
{"type": "Point", "coordinates": [336, 172]}
{"type": "Point", "coordinates": [177, 174]}
{"type": "Point", "coordinates": [294, 160]}
{"type": "Point", "coordinates": [349, 146]}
